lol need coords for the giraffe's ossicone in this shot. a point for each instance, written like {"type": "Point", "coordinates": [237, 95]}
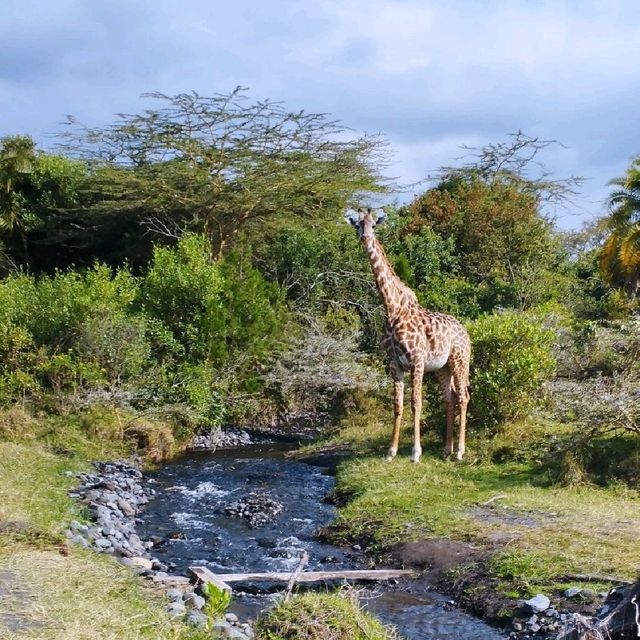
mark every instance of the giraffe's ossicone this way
{"type": "Point", "coordinates": [417, 340]}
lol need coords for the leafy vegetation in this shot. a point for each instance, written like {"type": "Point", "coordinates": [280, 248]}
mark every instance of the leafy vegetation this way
{"type": "Point", "coordinates": [185, 267]}
{"type": "Point", "coordinates": [321, 617]}
{"type": "Point", "coordinates": [620, 257]}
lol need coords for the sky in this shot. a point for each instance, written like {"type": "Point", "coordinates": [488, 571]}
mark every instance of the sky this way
{"type": "Point", "coordinates": [429, 75]}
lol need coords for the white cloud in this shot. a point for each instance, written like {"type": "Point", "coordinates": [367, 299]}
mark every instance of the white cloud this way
{"type": "Point", "coordinates": [430, 75]}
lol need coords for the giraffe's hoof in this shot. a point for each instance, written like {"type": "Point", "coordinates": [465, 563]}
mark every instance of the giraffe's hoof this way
{"type": "Point", "coordinates": [415, 456]}
{"type": "Point", "coordinates": [391, 454]}
{"type": "Point", "coordinates": [446, 454]}
{"type": "Point", "coordinates": [389, 458]}
{"type": "Point", "coordinates": [459, 456]}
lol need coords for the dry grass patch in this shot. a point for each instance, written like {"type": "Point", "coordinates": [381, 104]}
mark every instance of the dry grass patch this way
{"type": "Point", "coordinates": [81, 596]}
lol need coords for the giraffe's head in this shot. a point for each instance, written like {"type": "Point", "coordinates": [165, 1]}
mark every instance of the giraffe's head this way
{"type": "Point", "coordinates": [365, 221]}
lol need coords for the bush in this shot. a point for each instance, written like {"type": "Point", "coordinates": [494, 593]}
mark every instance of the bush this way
{"type": "Point", "coordinates": [181, 289]}
{"type": "Point", "coordinates": [311, 616]}
{"type": "Point", "coordinates": [116, 345]}
{"type": "Point", "coordinates": [511, 359]}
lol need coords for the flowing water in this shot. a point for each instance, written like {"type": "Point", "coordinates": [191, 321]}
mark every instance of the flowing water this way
{"type": "Point", "coordinates": [188, 514]}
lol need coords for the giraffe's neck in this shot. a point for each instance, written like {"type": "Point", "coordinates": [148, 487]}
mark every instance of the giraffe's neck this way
{"type": "Point", "coordinates": [394, 293]}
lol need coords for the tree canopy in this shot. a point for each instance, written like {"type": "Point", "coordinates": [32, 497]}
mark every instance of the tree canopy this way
{"type": "Point", "coordinates": [620, 256]}
{"type": "Point", "coordinates": [217, 164]}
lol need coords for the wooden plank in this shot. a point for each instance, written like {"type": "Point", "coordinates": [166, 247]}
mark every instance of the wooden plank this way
{"type": "Point", "coordinates": [308, 576]}
{"type": "Point", "coordinates": [205, 575]}
{"type": "Point", "coordinates": [172, 580]}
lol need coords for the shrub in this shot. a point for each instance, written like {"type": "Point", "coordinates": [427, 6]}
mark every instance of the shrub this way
{"type": "Point", "coordinates": [251, 314]}
{"type": "Point", "coordinates": [181, 289]}
{"type": "Point", "coordinates": [115, 344]}
{"type": "Point", "coordinates": [63, 302]}
{"type": "Point", "coordinates": [334, 616]}
{"type": "Point", "coordinates": [511, 358]}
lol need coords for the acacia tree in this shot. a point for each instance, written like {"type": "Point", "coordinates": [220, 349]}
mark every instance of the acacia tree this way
{"type": "Point", "coordinates": [620, 256]}
{"type": "Point", "coordinates": [216, 164]}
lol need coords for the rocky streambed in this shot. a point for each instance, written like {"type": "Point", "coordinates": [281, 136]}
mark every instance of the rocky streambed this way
{"type": "Point", "coordinates": [250, 508]}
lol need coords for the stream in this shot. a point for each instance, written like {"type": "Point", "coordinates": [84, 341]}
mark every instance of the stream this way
{"type": "Point", "coordinates": [187, 518]}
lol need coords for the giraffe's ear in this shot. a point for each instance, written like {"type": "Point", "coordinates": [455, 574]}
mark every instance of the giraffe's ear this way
{"type": "Point", "coordinates": [379, 216]}
{"type": "Point", "coordinates": [352, 217]}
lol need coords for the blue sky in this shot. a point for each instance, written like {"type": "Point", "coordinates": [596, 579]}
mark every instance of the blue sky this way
{"type": "Point", "coordinates": [428, 74]}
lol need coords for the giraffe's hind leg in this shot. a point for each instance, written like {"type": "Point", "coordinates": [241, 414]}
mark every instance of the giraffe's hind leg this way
{"type": "Point", "coordinates": [460, 372]}
{"type": "Point", "coordinates": [445, 379]}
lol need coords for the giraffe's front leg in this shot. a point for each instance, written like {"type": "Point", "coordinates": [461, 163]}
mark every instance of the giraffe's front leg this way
{"type": "Point", "coordinates": [398, 401]}
{"type": "Point", "coordinates": [416, 405]}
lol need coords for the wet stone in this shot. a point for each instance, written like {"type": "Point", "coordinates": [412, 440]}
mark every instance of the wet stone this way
{"type": "Point", "coordinates": [195, 601]}
{"type": "Point", "coordinates": [258, 507]}
{"type": "Point", "coordinates": [537, 604]}
{"type": "Point", "coordinates": [176, 609]}
{"type": "Point", "coordinates": [197, 619]}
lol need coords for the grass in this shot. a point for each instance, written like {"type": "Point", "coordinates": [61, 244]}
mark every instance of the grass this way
{"type": "Point", "coordinates": [48, 589]}
{"type": "Point", "coordinates": [537, 531]}
{"type": "Point", "coordinates": [312, 616]}
{"type": "Point", "coordinates": [80, 596]}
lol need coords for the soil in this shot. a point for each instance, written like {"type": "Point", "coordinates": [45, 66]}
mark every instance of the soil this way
{"type": "Point", "coordinates": [16, 605]}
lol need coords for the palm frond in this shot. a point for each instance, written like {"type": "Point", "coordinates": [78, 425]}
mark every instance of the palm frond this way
{"type": "Point", "coordinates": [629, 252]}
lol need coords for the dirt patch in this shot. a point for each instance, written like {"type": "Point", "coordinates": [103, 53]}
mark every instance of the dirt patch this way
{"type": "Point", "coordinates": [16, 605]}
{"type": "Point", "coordinates": [435, 555]}
{"type": "Point", "coordinates": [19, 530]}
{"type": "Point", "coordinates": [503, 515]}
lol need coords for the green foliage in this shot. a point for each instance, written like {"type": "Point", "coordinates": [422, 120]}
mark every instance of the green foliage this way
{"type": "Point", "coordinates": [217, 602]}
{"type": "Point", "coordinates": [324, 273]}
{"type": "Point", "coordinates": [502, 246]}
{"type": "Point", "coordinates": [251, 312]}
{"type": "Point", "coordinates": [181, 289]}
{"type": "Point", "coordinates": [428, 263]}
{"type": "Point", "coordinates": [115, 344]}
{"type": "Point", "coordinates": [620, 255]}
{"type": "Point", "coordinates": [217, 164]}
{"type": "Point", "coordinates": [332, 616]}
{"type": "Point", "coordinates": [511, 358]}
{"type": "Point", "coordinates": [520, 569]}
{"type": "Point", "coordinates": [211, 309]}
{"type": "Point", "coordinates": [34, 187]}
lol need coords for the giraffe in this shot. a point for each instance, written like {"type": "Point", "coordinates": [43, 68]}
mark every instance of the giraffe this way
{"type": "Point", "coordinates": [417, 340]}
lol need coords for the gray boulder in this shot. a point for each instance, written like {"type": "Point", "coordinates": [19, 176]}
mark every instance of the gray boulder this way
{"type": "Point", "coordinates": [537, 604]}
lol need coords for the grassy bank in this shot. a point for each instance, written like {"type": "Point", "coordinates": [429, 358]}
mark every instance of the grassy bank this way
{"type": "Point", "coordinates": [524, 532]}
{"type": "Point", "coordinates": [51, 590]}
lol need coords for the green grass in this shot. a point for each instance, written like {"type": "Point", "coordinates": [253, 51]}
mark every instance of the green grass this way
{"type": "Point", "coordinates": [56, 591]}
{"type": "Point", "coordinates": [312, 616]}
{"type": "Point", "coordinates": [537, 531]}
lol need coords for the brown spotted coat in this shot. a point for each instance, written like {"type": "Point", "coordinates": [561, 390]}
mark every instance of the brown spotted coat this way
{"type": "Point", "coordinates": [418, 340]}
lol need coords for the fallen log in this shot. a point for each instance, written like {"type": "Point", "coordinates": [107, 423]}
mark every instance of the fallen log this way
{"type": "Point", "coordinates": [204, 574]}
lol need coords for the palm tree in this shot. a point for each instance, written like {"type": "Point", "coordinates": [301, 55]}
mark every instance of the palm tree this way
{"type": "Point", "coordinates": [17, 159]}
{"type": "Point", "coordinates": [620, 256]}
